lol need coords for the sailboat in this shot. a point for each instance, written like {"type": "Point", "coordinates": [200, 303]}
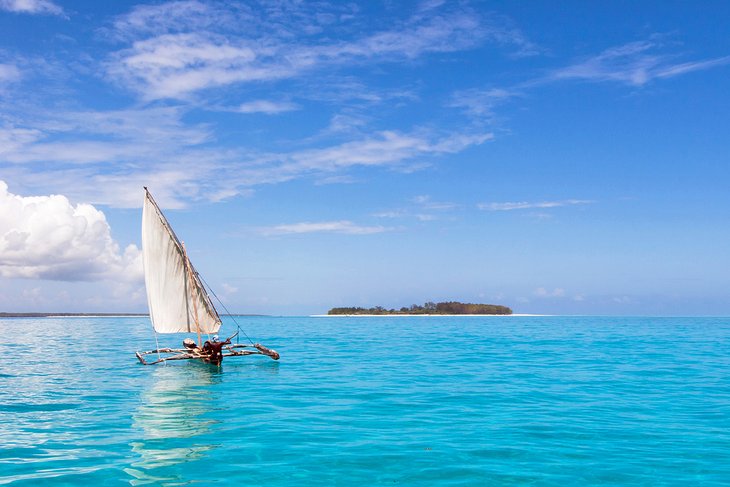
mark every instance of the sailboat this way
{"type": "Point", "coordinates": [178, 301]}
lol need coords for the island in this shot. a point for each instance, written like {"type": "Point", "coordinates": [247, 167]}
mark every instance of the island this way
{"type": "Point", "coordinates": [429, 308]}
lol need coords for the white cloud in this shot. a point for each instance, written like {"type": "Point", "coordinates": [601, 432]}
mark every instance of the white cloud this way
{"type": "Point", "coordinates": [338, 179]}
{"type": "Point", "coordinates": [267, 20]}
{"type": "Point", "coordinates": [342, 226]}
{"type": "Point", "coordinates": [440, 33]}
{"type": "Point", "coordinates": [8, 73]}
{"type": "Point", "coordinates": [115, 153]}
{"type": "Point", "coordinates": [425, 202]}
{"type": "Point", "coordinates": [46, 237]}
{"type": "Point", "coordinates": [343, 123]}
{"type": "Point", "coordinates": [183, 53]}
{"type": "Point", "coordinates": [118, 152]}
{"type": "Point", "coordinates": [677, 69]}
{"type": "Point", "coordinates": [635, 63]}
{"type": "Point", "coordinates": [173, 65]}
{"type": "Point", "coordinates": [266, 106]}
{"type": "Point", "coordinates": [169, 17]}
{"type": "Point", "coordinates": [541, 292]}
{"type": "Point", "coordinates": [228, 290]}
{"type": "Point", "coordinates": [388, 148]}
{"type": "Point", "coordinates": [14, 140]}
{"type": "Point", "coordinates": [421, 208]}
{"type": "Point", "coordinates": [480, 103]}
{"type": "Point", "coordinates": [525, 205]}
{"type": "Point", "coordinates": [31, 7]}
{"type": "Point", "coordinates": [97, 136]}
{"type": "Point", "coordinates": [391, 214]}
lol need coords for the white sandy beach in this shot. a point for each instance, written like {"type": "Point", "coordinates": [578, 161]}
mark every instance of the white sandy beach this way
{"type": "Point", "coordinates": [435, 315]}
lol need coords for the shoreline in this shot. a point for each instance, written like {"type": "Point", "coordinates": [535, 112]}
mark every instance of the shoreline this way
{"type": "Point", "coordinates": [411, 315]}
{"type": "Point", "coordinates": [71, 315]}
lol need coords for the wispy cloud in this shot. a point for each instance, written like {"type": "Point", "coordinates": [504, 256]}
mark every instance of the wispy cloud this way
{"type": "Point", "coordinates": [481, 103]}
{"type": "Point", "coordinates": [8, 73]}
{"type": "Point", "coordinates": [682, 68]}
{"type": "Point", "coordinates": [525, 205]}
{"type": "Point", "coordinates": [541, 292]}
{"type": "Point", "coordinates": [427, 203]}
{"type": "Point", "coordinates": [337, 179]}
{"type": "Point", "coordinates": [169, 17]}
{"type": "Point", "coordinates": [117, 152]}
{"type": "Point", "coordinates": [41, 7]}
{"type": "Point", "coordinates": [342, 226]}
{"type": "Point", "coordinates": [502, 30]}
{"type": "Point", "coordinates": [267, 20]}
{"type": "Point", "coordinates": [114, 152]}
{"type": "Point", "coordinates": [344, 123]}
{"type": "Point", "coordinates": [228, 289]}
{"type": "Point", "coordinates": [175, 52]}
{"type": "Point", "coordinates": [266, 106]}
{"type": "Point", "coordinates": [384, 149]}
{"type": "Point", "coordinates": [635, 63]}
{"type": "Point", "coordinates": [421, 208]}
{"type": "Point", "coordinates": [178, 49]}
{"type": "Point", "coordinates": [14, 140]}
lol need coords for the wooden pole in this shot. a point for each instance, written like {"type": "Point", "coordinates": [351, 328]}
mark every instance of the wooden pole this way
{"type": "Point", "coordinates": [191, 282]}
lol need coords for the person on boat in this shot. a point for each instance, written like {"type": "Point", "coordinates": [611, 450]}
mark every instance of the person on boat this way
{"type": "Point", "coordinates": [215, 350]}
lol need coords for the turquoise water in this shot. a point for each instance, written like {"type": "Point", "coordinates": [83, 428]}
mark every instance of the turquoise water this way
{"type": "Point", "coordinates": [372, 401]}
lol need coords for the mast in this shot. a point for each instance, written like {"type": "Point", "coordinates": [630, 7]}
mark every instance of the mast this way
{"type": "Point", "coordinates": [195, 305]}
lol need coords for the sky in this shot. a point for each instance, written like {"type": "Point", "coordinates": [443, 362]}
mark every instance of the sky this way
{"type": "Point", "coordinates": [558, 158]}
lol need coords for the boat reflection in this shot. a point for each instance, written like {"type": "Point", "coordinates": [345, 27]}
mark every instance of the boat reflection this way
{"type": "Point", "coordinates": [174, 424]}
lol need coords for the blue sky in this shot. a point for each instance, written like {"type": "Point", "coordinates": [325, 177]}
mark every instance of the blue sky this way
{"type": "Point", "coordinates": [556, 158]}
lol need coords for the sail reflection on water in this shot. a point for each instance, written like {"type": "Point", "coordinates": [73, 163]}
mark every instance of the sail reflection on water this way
{"type": "Point", "coordinates": [173, 421]}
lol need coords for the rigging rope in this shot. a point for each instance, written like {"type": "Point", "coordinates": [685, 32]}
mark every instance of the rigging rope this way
{"type": "Point", "coordinates": [224, 307]}
{"type": "Point", "coordinates": [158, 344]}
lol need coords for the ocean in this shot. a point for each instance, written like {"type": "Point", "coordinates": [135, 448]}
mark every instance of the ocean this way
{"type": "Point", "coordinates": [438, 401]}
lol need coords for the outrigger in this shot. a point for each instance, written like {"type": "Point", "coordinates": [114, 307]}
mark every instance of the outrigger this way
{"type": "Point", "coordinates": [191, 351]}
{"type": "Point", "coordinates": [178, 301]}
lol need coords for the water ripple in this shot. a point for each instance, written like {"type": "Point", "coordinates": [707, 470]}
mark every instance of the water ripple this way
{"type": "Point", "coordinates": [373, 401]}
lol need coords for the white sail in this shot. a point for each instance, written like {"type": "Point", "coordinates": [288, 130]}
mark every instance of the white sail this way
{"type": "Point", "coordinates": [177, 299]}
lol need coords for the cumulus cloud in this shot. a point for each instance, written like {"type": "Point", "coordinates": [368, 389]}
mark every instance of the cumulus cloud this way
{"type": "Point", "coordinates": [45, 7]}
{"type": "Point", "coordinates": [46, 237]}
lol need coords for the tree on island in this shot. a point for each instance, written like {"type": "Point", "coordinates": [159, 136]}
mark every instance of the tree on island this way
{"type": "Point", "coordinates": [429, 308]}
